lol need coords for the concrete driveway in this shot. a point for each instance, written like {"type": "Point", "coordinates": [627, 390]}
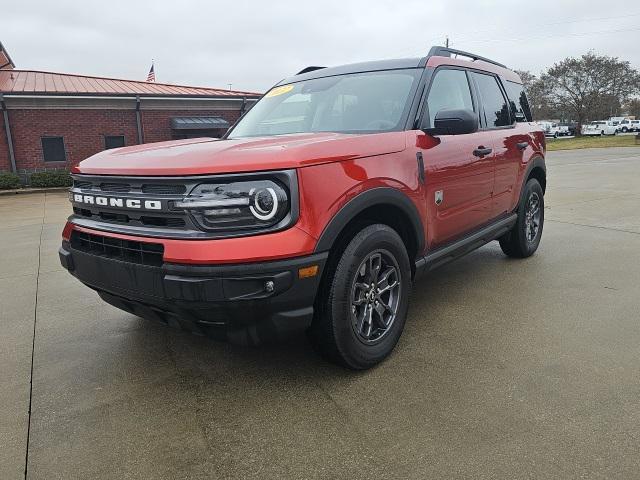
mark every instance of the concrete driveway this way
{"type": "Point", "coordinates": [506, 369]}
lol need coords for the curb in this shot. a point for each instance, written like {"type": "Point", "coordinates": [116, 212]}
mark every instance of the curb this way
{"type": "Point", "coordinates": [21, 191]}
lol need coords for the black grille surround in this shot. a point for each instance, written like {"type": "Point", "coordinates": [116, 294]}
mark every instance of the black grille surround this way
{"type": "Point", "coordinates": [110, 212]}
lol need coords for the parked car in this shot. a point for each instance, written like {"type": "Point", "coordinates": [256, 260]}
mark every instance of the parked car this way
{"type": "Point", "coordinates": [551, 129]}
{"type": "Point", "coordinates": [571, 127]}
{"type": "Point", "coordinates": [600, 127]}
{"type": "Point", "coordinates": [635, 126]}
{"type": "Point", "coordinates": [318, 220]}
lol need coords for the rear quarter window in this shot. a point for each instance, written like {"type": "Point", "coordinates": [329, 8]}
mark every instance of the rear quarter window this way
{"type": "Point", "coordinates": [518, 101]}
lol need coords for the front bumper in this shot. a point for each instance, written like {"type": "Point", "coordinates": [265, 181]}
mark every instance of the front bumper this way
{"type": "Point", "coordinates": [245, 304]}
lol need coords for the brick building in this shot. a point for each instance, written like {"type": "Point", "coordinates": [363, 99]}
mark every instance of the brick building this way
{"type": "Point", "coordinates": [54, 120]}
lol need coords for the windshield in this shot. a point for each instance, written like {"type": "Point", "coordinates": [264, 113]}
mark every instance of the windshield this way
{"type": "Point", "coordinates": [355, 103]}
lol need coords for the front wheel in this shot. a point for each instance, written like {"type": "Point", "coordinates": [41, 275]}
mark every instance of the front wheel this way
{"type": "Point", "coordinates": [362, 305]}
{"type": "Point", "coordinates": [524, 238]}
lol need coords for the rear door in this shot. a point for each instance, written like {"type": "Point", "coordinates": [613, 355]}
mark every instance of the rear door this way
{"type": "Point", "coordinates": [459, 180]}
{"type": "Point", "coordinates": [499, 123]}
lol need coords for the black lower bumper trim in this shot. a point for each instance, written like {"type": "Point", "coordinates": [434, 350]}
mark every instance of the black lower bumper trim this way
{"type": "Point", "coordinates": [245, 303]}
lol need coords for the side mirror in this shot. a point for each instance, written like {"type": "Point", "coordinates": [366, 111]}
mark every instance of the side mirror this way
{"type": "Point", "coordinates": [455, 122]}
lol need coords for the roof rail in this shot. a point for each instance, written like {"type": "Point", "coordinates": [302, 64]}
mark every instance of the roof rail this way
{"type": "Point", "coordinates": [309, 69]}
{"type": "Point", "coordinates": [447, 52]}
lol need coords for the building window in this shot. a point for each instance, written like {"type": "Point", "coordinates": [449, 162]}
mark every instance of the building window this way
{"type": "Point", "coordinates": [113, 141]}
{"type": "Point", "coordinates": [53, 149]}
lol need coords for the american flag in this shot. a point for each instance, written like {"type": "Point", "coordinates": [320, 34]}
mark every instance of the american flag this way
{"type": "Point", "coordinates": [152, 75]}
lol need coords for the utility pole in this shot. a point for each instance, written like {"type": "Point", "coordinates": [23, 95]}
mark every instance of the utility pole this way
{"type": "Point", "coordinates": [446, 41]}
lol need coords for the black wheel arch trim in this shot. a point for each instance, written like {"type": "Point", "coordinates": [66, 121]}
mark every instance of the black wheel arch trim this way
{"type": "Point", "coordinates": [367, 199]}
{"type": "Point", "coordinates": [535, 162]}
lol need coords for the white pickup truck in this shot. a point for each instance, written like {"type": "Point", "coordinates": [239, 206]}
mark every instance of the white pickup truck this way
{"type": "Point", "coordinates": [600, 127]}
{"type": "Point", "coordinates": [552, 129]}
{"type": "Point", "coordinates": [627, 125]}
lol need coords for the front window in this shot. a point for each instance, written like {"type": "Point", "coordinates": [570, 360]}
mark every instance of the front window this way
{"type": "Point", "coordinates": [354, 103]}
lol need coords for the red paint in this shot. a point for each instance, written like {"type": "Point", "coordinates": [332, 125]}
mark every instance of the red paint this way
{"type": "Point", "coordinates": [334, 168]}
{"type": "Point", "coordinates": [201, 156]}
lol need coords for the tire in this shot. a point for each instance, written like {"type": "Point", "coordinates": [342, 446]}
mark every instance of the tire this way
{"type": "Point", "coordinates": [520, 242]}
{"type": "Point", "coordinates": [555, 135]}
{"type": "Point", "coordinates": [602, 133]}
{"type": "Point", "coordinates": [625, 129]}
{"type": "Point", "coordinates": [343, 307]}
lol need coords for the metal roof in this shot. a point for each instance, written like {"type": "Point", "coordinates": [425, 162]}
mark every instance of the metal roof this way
{"type": "Point", "coordinates": [32, 82]}
{"type": "Point", "coordinates": [198, 123]}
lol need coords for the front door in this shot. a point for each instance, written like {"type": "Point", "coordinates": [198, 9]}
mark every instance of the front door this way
{"type": "Point", "coordinates": [459, 169]}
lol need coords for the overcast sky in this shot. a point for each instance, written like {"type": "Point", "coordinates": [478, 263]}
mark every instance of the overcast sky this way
{"type": "Point", "coordinates": [254, 44]}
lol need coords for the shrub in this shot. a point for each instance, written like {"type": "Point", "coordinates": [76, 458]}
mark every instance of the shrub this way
{"type": "Point", "coordinates": [9, 181]}
{"type": "Point", "coordinates": [59, 178]}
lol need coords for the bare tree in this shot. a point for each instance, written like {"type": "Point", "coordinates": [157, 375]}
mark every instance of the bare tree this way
{"type": "Point", "coordinates": [591, 86]}
{"type": "Point", "coordinates": [632, 107]}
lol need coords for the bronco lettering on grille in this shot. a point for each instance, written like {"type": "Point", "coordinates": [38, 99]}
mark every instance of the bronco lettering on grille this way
{"type": "Point", "coordinates": [132, 203]}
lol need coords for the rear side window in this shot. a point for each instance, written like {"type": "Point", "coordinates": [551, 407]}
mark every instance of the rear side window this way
{"type": "Point", "coordinates": [449, 90]}
{"type": "Point", "coordinates": [496, 111]}
{"type": "Point", "coordinates": [518, 101]}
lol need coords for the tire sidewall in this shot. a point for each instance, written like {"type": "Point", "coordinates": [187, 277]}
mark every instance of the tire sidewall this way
{"type": "Point", "coordinates": [529, 248]}
{"type": "Point", "coordinates": [356, 353]}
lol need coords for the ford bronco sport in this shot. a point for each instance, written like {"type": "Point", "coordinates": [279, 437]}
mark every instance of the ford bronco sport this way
{"type": "Point", "coordinates": [319, 208]}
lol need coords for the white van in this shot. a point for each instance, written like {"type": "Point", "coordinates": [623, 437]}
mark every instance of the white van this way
{"type": "Point", "coordinates": [600, 127]}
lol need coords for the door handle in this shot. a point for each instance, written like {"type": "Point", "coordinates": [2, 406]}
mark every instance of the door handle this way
{"type": "Point", "coordinates": [481, 151]}
{"type": "Point", "coordinates": [522, 145]}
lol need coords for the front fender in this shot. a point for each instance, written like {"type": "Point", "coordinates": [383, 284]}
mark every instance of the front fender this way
{"type": "Point", "coordinates": [367, 199]}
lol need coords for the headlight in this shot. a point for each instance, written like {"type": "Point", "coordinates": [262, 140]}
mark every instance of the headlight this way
{"type": "Point", "coordinates": [244, 205]}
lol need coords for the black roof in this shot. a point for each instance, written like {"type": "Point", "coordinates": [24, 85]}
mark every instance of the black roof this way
{"type": "Point", "coordinates": [357, 68]}
{"type": "Point", "coordinates": [396, 64]}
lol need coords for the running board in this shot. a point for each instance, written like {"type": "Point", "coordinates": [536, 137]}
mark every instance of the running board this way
{"type": "Point", "coordinates": [458, 248]}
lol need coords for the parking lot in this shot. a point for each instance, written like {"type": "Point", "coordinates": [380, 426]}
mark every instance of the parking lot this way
{"type": "Point", "coordinates": [506, 369]}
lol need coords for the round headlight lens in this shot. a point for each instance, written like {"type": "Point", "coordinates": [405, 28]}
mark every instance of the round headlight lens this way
{"type": "Point", "coordinates": [264, 204]}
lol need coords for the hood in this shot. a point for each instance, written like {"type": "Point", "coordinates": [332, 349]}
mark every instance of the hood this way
{"type": "Point", "coordinates": [207, 156]}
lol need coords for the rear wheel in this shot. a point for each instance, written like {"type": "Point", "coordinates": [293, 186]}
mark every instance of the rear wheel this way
{"type": "Point", "coordinates": [362, 305]}
{"type": "Point", "coordinates": [524, 238]}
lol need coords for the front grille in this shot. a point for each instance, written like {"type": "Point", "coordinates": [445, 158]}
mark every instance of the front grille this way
{"type": "Point", "coordinates": [124, 250]}
{"type": "Point", "coordinates": [164, 189]}
{"type": "Point", "coordinates": [82, 185]}
{"type": "Point", "coordinates": [115, 187]}
{"type": "Point", "coordinates": [148, 221]}
{"type": "Point", "coordinates": [169, 222]}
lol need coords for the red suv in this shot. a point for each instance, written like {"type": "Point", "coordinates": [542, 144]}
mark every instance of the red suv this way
{"type": "Point", "coordinates": [319, 208]}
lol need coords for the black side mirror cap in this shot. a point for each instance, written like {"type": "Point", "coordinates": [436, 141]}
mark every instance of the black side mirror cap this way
{"type": "Point", "coordinates": [454, 122]}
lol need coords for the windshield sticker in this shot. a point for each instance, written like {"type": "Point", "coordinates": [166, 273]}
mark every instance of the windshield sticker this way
{"type": "Point", "coordinates": [279, 90]}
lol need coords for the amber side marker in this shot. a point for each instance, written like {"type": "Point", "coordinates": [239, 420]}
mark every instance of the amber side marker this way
{"type": "Point", "coordinates": [307, 272]}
